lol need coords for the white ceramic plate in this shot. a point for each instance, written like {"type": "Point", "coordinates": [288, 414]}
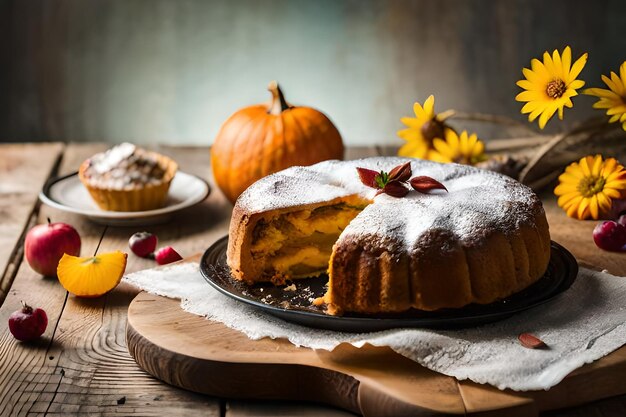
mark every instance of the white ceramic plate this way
{"type": "Point", "coordinates": [68, 194]}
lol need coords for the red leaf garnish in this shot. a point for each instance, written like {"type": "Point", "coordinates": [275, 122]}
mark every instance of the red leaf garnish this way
{"type": "Point", "coordinates": [401, 172]}
{"type": "Point", "coordinates": [531, 341]}
{"type": "Point", "coordinates": [424, 184]}
{"type": "Point", "coordinates": [394, 189]}
{"type": "Point", "coordinates": [368, 177]}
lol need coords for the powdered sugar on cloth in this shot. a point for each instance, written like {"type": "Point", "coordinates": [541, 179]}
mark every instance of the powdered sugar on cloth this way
{"type": "Point", "coordinates": [583, 324]}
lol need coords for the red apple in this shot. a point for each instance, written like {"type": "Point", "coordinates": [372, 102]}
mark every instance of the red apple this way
{"type": "Point", "coordinates": [46, 243]}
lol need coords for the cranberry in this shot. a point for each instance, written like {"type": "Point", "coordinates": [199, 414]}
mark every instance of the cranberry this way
{"type": "Point", "coordinates": [28, 324]}
{"type": "Point", "coordinates": [610, 235]}
{"type": "Point", "coordinates": [167, 255]}
{"type": "Point", "coordinates": [143, 244]}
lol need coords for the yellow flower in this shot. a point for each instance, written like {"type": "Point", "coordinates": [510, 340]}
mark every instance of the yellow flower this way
{"type": "Point", "coordinates": [463, 149]}
{"type": "Point", "coordinates": [550, 85]}
{"type": "Point", "coordinates": [614, 100]}
{"type": "Point", "coordinates": [422, 129]}
{"type": "Point", "coordinates": [587, 187]}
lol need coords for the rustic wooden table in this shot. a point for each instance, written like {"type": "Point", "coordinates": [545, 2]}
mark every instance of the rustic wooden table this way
{"type": "Point", "coordinates": [81, 366]}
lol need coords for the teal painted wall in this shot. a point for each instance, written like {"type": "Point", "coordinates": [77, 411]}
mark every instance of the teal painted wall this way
{"type": "Point", "coordinates": [173, 71]}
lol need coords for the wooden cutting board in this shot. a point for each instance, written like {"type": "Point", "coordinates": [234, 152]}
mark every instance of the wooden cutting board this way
{"type": "Point", "coordinates": [193, 353]}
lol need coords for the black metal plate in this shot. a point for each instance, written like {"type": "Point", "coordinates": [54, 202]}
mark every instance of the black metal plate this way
{"type": "Point", "coordinates": [296, 306]}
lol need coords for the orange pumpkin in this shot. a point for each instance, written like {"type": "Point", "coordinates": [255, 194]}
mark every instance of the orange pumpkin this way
{"type": "Point", "coordinates": [262, 139]}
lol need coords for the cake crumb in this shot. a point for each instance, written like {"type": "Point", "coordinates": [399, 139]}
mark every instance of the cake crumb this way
{"type": "Point", "coordinates": [319, 301]}
{"type": "Point", "coordinates": [279, 279]}
{"type": "Point", "coordinates": [291, 287]}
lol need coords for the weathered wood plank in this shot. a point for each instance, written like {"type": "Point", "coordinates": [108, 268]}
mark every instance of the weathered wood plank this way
{"type": "Point", "coordinates": [32, 384]}
{"type": "Point", "coordinates": [98, 370]}
{"type": "Point", "coordinates": [31, 374]}
{"type": "Point", "coordinates": [23, 170]}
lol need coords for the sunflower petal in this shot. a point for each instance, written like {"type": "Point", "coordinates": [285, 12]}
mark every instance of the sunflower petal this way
{"type": "Point", "coordinates": [530, 107]}
{"type": "Point", "coordinates": [429, 106]}
{"type": "Point", "coordinates": [412, 122]}
{"type": "Point", "coordinates": [565, 188]}
{"type": "Point", "coordinates": [584, 166]}
{"type": "Point", "coordinates": [593, 207]}
{"type": "Point", "coordinates": [618, 83]}
{"type": "Point", "coordinates": [577, 68]}
{"type": "Point", "coordinates": [558, 66]}
{"type": "Point", "coordinates": [411, 135]}
{"type": "Point", "coordinates": [566, 58]}
{"type": "Point", "coordinates": [604, 202]}
{"type": "Point", "coordinates": [530, 75]}
{"type": "Point", "coordinates": [413, 150]}
{"type": "Point", "coordinates": [576, 84]}
{"type": "Point", "coordinates": [442, 147]}
{"type": "Point", "coordinates": [597, 166]}
{"type": "Point", "coordinates": [530, 96]}
{"type": "Point", "coordinates": [583, 209]}
{"type": "Point", "coordinates": [609, 83]}
{"type": "Point", "coordinates": [548, 63]}
{"type": "Point", "coordinates": [419, 111]}
{"type": "Point", "coordinates": [546, 115]}
{"type": "Point", "coordinates": [600, 92]}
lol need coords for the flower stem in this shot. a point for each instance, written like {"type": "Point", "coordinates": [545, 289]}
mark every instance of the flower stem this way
{"type": "Point", "coordinates": [492, 118]}
{"type": "Point", "coordinates": [591, 126]}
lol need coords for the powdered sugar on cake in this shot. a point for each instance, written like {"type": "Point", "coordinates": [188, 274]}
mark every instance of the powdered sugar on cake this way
{"type": "Point", "coordinates": [477, 201]}
{"type": "Point", "coordinates": [124, 166]}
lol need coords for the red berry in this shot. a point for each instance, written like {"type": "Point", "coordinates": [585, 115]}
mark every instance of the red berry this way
{"type": "Point", "coordinates": [622, 220]}
{"type": "Point", "coordinates": [610, 236]}
{"type": "Point", "coordinates": [167, 255]}
{"type": "Point", "coordinates": [28, 324]}
{"type": "Point", "coordinates": [142, 244]}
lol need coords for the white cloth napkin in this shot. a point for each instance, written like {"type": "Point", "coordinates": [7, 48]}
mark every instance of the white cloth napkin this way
{"type": "Point", "coordinates": [583, 324]}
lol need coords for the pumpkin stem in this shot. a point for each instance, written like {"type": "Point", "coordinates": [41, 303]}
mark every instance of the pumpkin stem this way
{"type": "Point", "coordinates": [279, 104]}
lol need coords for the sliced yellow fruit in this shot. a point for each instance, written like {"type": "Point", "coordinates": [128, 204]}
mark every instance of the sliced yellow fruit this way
{"type": "Point", "coordinates": [93, 276]}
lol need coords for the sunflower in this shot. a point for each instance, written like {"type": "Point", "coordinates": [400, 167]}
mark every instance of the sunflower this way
{"type": "Point", "coordinates": [422, 129]}
{"type": "Point", "coordinates": [550, 85]}
{"type": "Point", "coordinates": [587, 187]}
{"type": "Point", "coordinates": [463, 149]}
{"type": "Point", "coordinates": [614, 100]}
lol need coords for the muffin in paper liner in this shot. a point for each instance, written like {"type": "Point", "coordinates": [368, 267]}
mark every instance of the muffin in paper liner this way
{"type": "Point", "coordinates": [138, 197]}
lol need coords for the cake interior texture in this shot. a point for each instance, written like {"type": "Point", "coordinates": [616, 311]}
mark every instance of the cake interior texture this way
{"type": "Point", "coordinates": [298, 244]}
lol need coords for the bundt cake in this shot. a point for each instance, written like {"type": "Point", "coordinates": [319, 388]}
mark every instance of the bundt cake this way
{"type": "Point", "coordinates": [483, 240]}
